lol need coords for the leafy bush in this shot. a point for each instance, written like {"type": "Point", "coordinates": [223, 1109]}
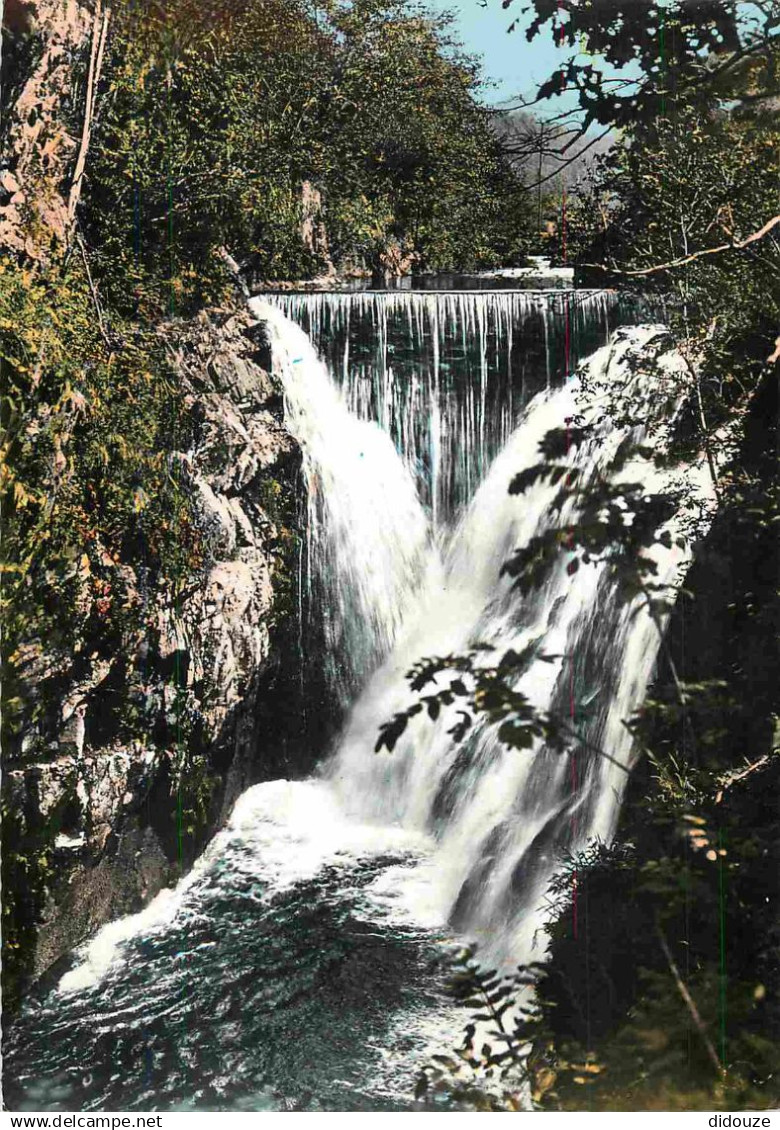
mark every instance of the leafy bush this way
{"type": "Point", "coordinates": [94, 513]}
{"type": "Point", "coordinates": [208, 128]}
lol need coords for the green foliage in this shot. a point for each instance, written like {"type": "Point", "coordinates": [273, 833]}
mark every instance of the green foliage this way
{"type": "Point", "coordinates": [687, 890]}
{"type": "Point", "coordinates": [663, 952]}
{"type": "Point", "coordinates": [685, 896]}
{"type": "Point", "coordinates": [658, 204]}
{"type": "Point", "coordinates": [683, 912]}
{"type": "Point", "coordinates": [489, 1070]}
{"type": "Point", "coordinates": [28, 866]}
{"type": "Point", "coordinates": [97, 528]}
{"type": "Point", "coordinates": [681, 907]}
{"type": "Point", "coordinates": [480, 690]}
{"type": "Point", "coordinates": [208, 130]}
{"type": "Point", "coordinates": [615, 523]}
{"type": "Point", "coordinates": [93, 507]}
{"type": "Point", "coordinates": [196, 148]}
{"type": "Point", "coordinates": [507, 1061]}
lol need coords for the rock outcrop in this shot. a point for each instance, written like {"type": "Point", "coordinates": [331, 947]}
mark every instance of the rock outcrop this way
{"type": "Point", "coordinates": [392, 260]}
{"type": "Point", "coordinates": [102, 824]}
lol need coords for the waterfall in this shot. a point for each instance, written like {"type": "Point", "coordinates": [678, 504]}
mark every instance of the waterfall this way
{"type": "Point", "coordinates": [367, 533]}
{"type": "Point", "coordinates": [293, 964]}
{"type": "Point", "coordinates": [500, 819]}
{"type": "Point", "coordinates": [447, 375]}
{"type": "Point", "coordinates": [503, 819]}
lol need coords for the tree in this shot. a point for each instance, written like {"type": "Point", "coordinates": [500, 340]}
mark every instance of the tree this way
{"type": "Point", "coordinates": [684, 205]}
{"type": "Point", "coordinates": [211, 127]}
{"type": "Point", "coordinates": [686, 54]}
{"type": "Point", "coordinates": [404, 124]}
{"type": "Point", "coordinates": [45, 142]}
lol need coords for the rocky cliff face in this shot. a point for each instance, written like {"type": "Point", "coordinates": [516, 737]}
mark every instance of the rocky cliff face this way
{"type": "Point", "coordinates": [101, 824]}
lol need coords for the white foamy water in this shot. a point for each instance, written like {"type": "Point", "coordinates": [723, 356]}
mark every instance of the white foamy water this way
{"type": "Point", "coordinates": [437, 839]}
{"type": "Point", "coordinates": [448, 374]}
{"type": "Point", "coordinates": [367, 532]}
{"type": "Point", "coordinates": [485, 825]}
{"type": "Point", "coordinates": [285, 833]}
{"type": "Point", "coordinates": [503, 818]}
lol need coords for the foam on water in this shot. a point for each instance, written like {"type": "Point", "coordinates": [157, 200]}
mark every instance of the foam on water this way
{"type": "Point", "coordinates": [367, 532]}
{"type": "Point", "coordinates": [435, 840]}
{"type": "Point", "coordinates": [484, 826]}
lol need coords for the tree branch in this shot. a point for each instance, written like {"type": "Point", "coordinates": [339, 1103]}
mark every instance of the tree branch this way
{"type": "Point", "coordinates": [93, 291]}
{"type": "Point", "coordinates": [736, 245]}
{"type": "Point", "coordinates": [569, 161]}
{"type": "Point", "coordinates": [99, 34]}
{"type": "Point", "coordinates": [690, 1003]}
{"type": "Point", "coordinates": [729, 779]}
{"type": "Point", "coordinates": [235, 270]}
{"type": "Point", "coordinates": [571, 733]}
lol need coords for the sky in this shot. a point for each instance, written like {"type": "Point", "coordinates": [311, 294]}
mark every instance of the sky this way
{"type": "Point", "coordinates": [515, 65]}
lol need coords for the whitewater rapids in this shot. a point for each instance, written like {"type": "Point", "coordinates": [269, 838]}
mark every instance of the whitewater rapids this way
{"type": "Point", "coordinates": [295, 966]}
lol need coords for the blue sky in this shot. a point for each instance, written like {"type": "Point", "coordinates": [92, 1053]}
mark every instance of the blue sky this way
{"type": "Point", "coordinates": [516, 65]}
{"type": "Point", "coordinates": [510, 60]}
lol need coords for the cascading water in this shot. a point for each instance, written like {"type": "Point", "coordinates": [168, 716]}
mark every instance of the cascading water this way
{"type": "Point", "coordinates": [447, 375]}
{"type": "Point", "coordinates": [367, 533]}
{"type": "Point", "coordinates": [503, 819]}
{"type": "Point", "coordinates": [291, 968]}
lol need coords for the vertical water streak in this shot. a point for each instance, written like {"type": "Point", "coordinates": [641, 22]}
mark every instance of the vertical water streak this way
{"type": "Point", "coordinates": [447, 374]}
{"type": "Point", "coordinates": [367, 533]}
{"type": "Point", "coordinates": [504, 818]}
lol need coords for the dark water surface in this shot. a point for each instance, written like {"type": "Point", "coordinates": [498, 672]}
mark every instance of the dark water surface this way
{"type": "Point", "coordinates": [274, 981]}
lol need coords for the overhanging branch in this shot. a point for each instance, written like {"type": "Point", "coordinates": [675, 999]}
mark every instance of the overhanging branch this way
{"type": "Point", "coordinates": [735, 245]}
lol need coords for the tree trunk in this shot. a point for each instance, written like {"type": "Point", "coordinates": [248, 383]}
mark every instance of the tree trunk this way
{"type": "Point", "coordinates": [43, 162]}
